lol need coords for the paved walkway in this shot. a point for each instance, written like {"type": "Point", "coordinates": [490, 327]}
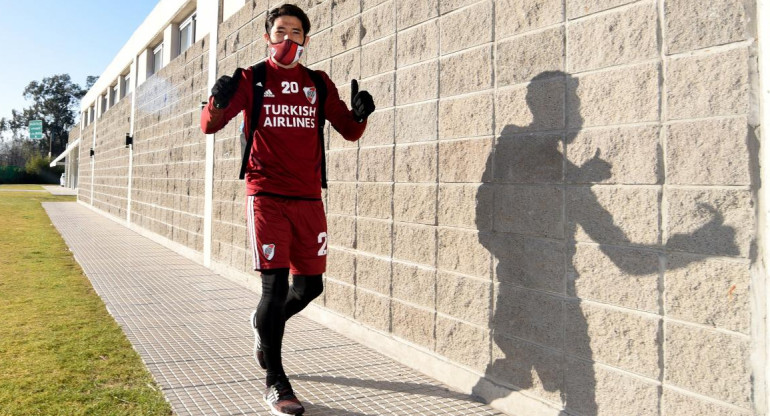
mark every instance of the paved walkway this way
{"type": "Point", "coordinates": [60, 190]}
{"type": "Point", "coordinates": [190, 327]}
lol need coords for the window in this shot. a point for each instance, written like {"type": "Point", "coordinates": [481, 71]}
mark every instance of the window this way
{"type": "Point", "coordinates": [114, 95]}
{"type": "Point", "coordinates": [103, 99]}
{"type": "Point", "coordinates": [91, 114]}
{"type": "Point", "coordinates": [126, 86]}
{"type": "Point", "coordinates": [187, 33]}
{"type": "Point", "coordinates": [157, 59]}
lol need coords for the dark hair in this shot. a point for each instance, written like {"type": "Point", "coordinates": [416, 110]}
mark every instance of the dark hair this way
{"type": "Point", "coordinates": [287, 10]}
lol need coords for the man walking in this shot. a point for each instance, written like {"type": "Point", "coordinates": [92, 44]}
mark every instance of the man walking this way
{"type": "Point", "coordinates": [284, 106]}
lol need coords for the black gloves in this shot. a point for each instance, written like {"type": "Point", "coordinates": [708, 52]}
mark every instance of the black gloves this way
{"type": "Point", "coordinates": [223, 91]}
{"type": "Point", "coordinates": [361, 102]}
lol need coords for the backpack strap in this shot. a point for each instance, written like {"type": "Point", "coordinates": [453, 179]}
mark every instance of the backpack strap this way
{"type": "Point", "coordinates": [258, 87]}
{"type": "Point", "coordinates": [320, 86]}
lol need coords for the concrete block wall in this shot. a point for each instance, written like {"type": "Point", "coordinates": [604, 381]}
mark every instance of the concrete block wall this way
{"type": "Point", "coordinates": [85, 175]}
{"type": "Point", "coordinates": [554, 199]}
{"type": "Point", "coordinates": [170, 151]}
{"type": "Point", "coordinates": [111, 160]}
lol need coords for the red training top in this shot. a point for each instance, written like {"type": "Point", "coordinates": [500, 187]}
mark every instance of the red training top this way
{"type": "Point", "coordinates": [285, 157]}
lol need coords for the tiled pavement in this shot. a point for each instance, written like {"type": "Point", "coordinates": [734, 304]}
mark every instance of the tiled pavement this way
{"type": "Point", "coordinates": [190, 327]}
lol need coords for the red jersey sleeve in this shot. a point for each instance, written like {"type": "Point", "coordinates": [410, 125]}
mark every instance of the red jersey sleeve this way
{"type": "Point", "coordinates": [213, 119]}
{"type": "Point", "coordinates": [338, 114]}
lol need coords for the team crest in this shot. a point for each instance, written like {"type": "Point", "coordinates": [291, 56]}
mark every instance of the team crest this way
{"type": "Point", "coordinates": [310, 94]}
{"type": "Point", "coordinates": [268, 250]}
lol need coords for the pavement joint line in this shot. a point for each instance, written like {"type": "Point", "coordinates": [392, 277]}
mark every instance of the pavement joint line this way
{"type": "Point", "coordinates": [168, 317]}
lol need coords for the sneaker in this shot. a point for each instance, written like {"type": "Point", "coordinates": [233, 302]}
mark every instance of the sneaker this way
{"type": "Point", "coordinates": [282, 401]}
{"type": "Point", "coordinates": [259, 355]}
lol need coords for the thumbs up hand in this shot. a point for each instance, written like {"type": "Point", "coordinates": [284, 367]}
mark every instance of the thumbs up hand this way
{"type": "Point", "coordinates": [361, 102]}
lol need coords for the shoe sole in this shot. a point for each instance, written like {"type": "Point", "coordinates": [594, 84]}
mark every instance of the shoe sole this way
{"type": "Point", "coordinates": [277, 413]}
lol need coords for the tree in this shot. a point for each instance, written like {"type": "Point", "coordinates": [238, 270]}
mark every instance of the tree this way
{"type": "Point", "coordinates": [55, 100]}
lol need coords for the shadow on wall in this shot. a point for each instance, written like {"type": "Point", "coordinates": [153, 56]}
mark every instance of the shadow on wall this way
{"type": "Point", "coordinates": [533, 207]}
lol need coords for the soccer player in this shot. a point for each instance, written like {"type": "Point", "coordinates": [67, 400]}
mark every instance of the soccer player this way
{"type": "Point", "coordinates": [283, 172]}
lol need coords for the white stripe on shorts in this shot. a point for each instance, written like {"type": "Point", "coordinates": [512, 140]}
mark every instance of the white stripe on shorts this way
{"type": "Point", "coordinates": [252, 232]}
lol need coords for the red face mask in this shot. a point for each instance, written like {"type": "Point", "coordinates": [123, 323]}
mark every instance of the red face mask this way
{"type": "Point", "coordinates": [286, 52]}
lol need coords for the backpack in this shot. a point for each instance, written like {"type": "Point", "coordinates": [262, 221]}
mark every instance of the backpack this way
{"type": "Point", "coordinates": [247, 140]}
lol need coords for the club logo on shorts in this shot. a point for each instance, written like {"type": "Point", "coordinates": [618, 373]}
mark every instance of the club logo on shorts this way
{"type": "Point", "coordinates": [310, 94]}
{"type": "Point", "coordinates": [268, 250]}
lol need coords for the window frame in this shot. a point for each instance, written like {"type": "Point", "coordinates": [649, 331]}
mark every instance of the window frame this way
{"type": "Point", "coordinates": [191, 23]}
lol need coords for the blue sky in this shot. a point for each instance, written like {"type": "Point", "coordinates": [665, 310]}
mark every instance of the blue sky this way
{"type": "Point", "coordinates": [76, 37]}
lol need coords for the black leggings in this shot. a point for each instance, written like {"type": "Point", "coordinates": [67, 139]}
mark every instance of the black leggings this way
{"type": "Point", "coordinates": [280, 302]}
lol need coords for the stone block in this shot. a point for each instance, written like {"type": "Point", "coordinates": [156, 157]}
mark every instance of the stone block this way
{"type": "Point", "coordinates": [456, 121]}
{"type": "Point", "coordinates": [538, 371]}
{"type": "Point", "coordinates": [373, 273]}
{"type": "Point", "coordinates": [345, 67]}
{"type": "Point", "coordinates": [339, 297]}
{"type": "Point", "coordinates": [530, 210]}
{"type": "Point", "coordinates": [417, 83]}
{"type": "Point", "coordinates": [529, 315]}
{"type": "Point", "coordinates": [379, 22]}
{"type": "Point", "coordinates": [525, 57]}
{"type": "Point", "coordinates": [597, 390]}
{"type": "Point", "coordinates": [375, 200]}
{"type": "Point", "coordinates": [578, 8]}
{"type": "Point", "coordinates": [705, 221]}
{"type": "Point", "coordinates": [517, 16]}
{"type": "Point", "coordinates": [414, 324]}
{"type": "Point", "coordinates": [342, 231]}
{"type": "Point", "coordinates": [463, 343]}
{"type": "Point", "coordinates": [710, 363]}
{"type": "Point", "coordinates": [341, 266]}
{"type": "Point", "coordinates": [466, 72]}
{"type": "Point", "coordinates": [466, 28]}
{"type": "Point", "coordinates": [418, 44]}
{"type": "Point", "coordinates": [368, 4]}
{"type": "Point", "coordinates": [464, 160]}
{"type": "Point", "coordinates": [464, 298]}
{"type": "Point", "coordinates": [626, 155]}
{"type": "Point", "coordinates": [417, 123]}
{"type": "Point", "coordinates": [707, 291]}
{"type": "Point", "coordinates": [527, 262]}
{"type": "Point", "coordinates": [415, 203]}
{"type": "Point", "coordinates": [342, 198]}
{"type": "Point", "coordinates": [711, 85]}
{"type": "Point", "coordinates": [378, 57]}
{"type": "Point", "coordinates": [617, 276]}
{"type": "Point", "coordinates": [373, 309]}
{"type": "Point", "coordinates": [320, 17]}
{"type": "Point", "coordinates": [376, 164]}
{"type": "Point", "coordinates": [537, 107]}
{"type": "Point", "coordinates": [382, 88]}
{"type": "Point", "coordinates": [410, 13]}
{"type": "Point", "coordinates": [344, 9]}
{"type": "Point", "coordinates": [619, 339]}
{"type": "Point", "coordinates": [416, 163]}
{"type": "Point", "coordinates": [414, 243]}
{"type": "Point", "coordinates": [614, 215]}
{"type": "Point", "coordinates": [374, 236]}
{"type": "Point", "coordinates": [346, 35]}
{"type": "Point", "coordinates": [465, 206]}
{"type": "Point", "coordinates": [628, 95]}
{"type": "Point", "coordinates": [693, 25]}
{"type": "Point", "coordinates": [341, 165]}
{"type": "Point", "coordinates": [676, 403]}
{"type": "Point", "coordinates": [528, 159]}
{"type": "Point", "coordinates": [414, 284]}
{"type": "Point", "coordinates": [461, 251]}
{"type": "Point", "coordinates": [621, 37]}
{"type": "Point", "coordinates": [709, 152]}
{"type": "Point", "coordinates": [380, 128]}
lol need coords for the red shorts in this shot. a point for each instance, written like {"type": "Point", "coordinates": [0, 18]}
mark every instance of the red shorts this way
{"type": "Point", "coordinates": [287, 233]}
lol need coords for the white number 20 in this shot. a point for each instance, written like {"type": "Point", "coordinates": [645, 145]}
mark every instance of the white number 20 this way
{"type": "Point", "coordinates": [290, 87]}
{"type": "Point", "coordinates": [322, 239]}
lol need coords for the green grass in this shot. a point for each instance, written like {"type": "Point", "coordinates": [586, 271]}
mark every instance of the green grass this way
{"type": "Point", "coordinates": [61, 353]}
{"type": "Point", "coordinates": [22, 187]}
